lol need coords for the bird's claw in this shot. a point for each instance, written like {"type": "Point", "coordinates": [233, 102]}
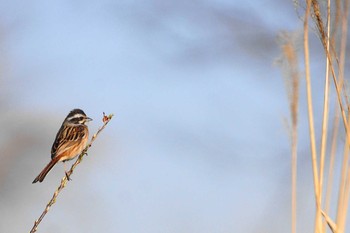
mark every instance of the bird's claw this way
{"type": "Point", "coordinates": [67, 176]}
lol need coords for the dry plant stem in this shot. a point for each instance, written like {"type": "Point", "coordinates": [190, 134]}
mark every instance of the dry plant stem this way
{"type": "Point", "coordinates": [330, 222]}
{"type": "Point", "coordinates": [294, 166]}
{"type": "Point", "coordinates": [343, 42]}
{"type": "Point", "coordinates": [294, 178]}
{"type": "Point", "coordinates": [293, 94]}
{"type": "Point", "coordinates": [346, 201]}
{"type": "Point", "coordinates": [342, 198]}
{"type": "Point", "coordinates": [64, 179]}
{"type": "Point", "coordinates": [318, 222]}
{"type": "Point", "coordinates": [290, 54]}
{"type": "Point", "coordinates": [292, 79]}
{"type": "Point", "coordinates": [338, 90]}
{"type": "Point", "coordinates": [325, 108]}
{"type": "Point", "coordinates": [340, 221]}
{"type": "Point", "coordinates": [341, 208]}
{"type": "Point", "coordinates": [329, 57]}
{"type": "Point", "coordinates": [343, 26]}
{"type": "Point", "coordinates": [331, 162]}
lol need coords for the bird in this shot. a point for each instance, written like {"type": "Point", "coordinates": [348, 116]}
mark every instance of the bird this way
{"type": "Point", "coordinates": [70, 141]}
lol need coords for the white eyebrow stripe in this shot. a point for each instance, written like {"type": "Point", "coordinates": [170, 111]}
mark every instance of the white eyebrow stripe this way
{"type": "Point", "coordinates": [75, 116]}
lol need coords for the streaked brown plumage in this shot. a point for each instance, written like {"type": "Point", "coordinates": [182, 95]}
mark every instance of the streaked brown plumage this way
{"type": "Point", "coordinates": [70, 140]}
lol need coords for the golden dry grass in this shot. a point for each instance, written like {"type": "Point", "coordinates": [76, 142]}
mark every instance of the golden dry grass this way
{"type": "Point", "coordinates": [330, 22]}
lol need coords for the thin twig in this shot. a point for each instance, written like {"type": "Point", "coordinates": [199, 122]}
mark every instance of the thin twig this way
{"type": "Point", "coordinates": [64, 180]}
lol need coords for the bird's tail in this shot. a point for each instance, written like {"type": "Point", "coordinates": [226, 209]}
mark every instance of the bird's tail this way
{"type": "Point", "coordinates": [46, 170]}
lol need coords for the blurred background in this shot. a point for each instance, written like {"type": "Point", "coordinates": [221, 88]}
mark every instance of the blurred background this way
{"type": "Point", "coordinates": [198, 141]}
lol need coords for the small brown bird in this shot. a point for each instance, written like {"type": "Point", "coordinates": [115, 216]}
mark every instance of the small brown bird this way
{"type": "Point", "coordinates": [70, 140]}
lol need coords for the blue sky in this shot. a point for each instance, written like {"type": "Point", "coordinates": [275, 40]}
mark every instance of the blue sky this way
{"type": "Point", "coordinates": [197, 143]}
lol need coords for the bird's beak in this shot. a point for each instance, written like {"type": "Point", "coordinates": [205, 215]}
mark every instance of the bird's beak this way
{"type": "Point", "coordinates": [88, 119]}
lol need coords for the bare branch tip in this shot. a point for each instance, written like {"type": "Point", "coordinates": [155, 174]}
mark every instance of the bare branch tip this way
{"type": "Point", "coordinates": [106, 118]}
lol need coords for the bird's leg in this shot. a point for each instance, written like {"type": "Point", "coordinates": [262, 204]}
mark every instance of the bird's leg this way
{"type": "Point", "coordinates": [65, 171]}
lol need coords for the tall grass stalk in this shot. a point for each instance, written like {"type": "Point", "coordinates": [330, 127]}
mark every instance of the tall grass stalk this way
{"type": "Point", "coordinates": [333, 38]}
{"type": "Point", "coordinates": [318, 222]}
{"type": "Point", "coordinates": [343, 190]}
{"type": "Point", "coordinates": [292, 79]}
{"type": "Point", "coordinates": [325, 107]}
